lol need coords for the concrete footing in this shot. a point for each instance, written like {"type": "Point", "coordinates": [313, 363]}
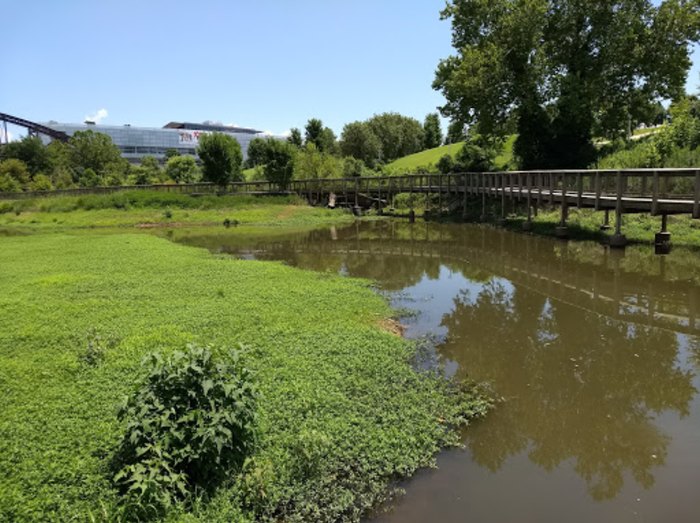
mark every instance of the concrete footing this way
{"type": "Point", "coordinates": [527, 226]}
{"type": "Point", "coordinates": [562, 232]}
{"type": "Point", "coordinates": [357, 210]}
{"type": "Point", "coordinates": [618, 241]}
{"type": "Point", "coordinates": [662, 237]}
{"type": "Point", "coordinates": [411, 216]}
{"type": "Point", "coordinates": [482, 218]}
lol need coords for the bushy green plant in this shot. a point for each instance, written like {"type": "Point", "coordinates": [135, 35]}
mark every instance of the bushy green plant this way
{"type": "Point", "coordinates": [96, 347]}
{"type": "Point", "coordinates": [16, 170]}
{"type": "Point", "coordinates": [353, 167]}
{"type": "Point", "coordinates": [9, 184]}
{"type": "Point", "coordinates": [221, 158]}
{"type": "Point", "coordinates": [477, 155]}
{"type": "Point", "coordinates": [182, 169]}
{"type": "Point", "coordinates": [446, 164]}
{"type": "Point", "coordinates": [189, 424]}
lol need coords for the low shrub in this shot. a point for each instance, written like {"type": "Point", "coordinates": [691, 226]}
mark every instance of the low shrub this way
{"type": "Point", "coordinates": [96, 347]}
{"type": "Point", "coordinates": [189, 424]}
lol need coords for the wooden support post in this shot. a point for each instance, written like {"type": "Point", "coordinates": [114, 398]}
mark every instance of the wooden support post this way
{"type": "Point", "coordinates": [502, 185]}
{"type": "Point", "coordinates": [579, 190]}
{"type": "Point", "coordinates": [655, 194]}
{"type": "Point", "coordinates": [662, 239]}
{"type": "Point", "coordinates": [562, 231]}
{"type": "Point", "coordinates": [427, 198]}
{"type": "Point", "coordinates": [527, 225]}
{"type": "Point", "coordinates": [512, 193]}
{"type": "Point", "coordinates": [696, 196]}
{"type": "Point", "coordinates": [357, 190]}
{"type": "Point", "coordinates": [618, 239]}
{"type": "Point", "coordinates": [483, 197]}
{"type": "Point", "coordinates": [520, 185]}
{"type": "Point", "coordinates": [597, 190]}
{"type": "Point", "coordinates": [464, 196]}
{"type": "Point", "coordinates": [551, 189]}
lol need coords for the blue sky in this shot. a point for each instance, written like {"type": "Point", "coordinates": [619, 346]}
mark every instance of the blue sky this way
{"type": "Point", "coordinates": [267, 64]}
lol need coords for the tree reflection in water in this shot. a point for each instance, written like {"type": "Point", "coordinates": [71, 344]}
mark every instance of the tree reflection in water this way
{"type": "Point", "coordinates": [577, 385]}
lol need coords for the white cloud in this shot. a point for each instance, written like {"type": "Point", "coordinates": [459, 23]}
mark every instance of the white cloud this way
{"type": "Point", "coordinates": [285, 134]}
{"type": "Point", "coordinates": [100, 115]}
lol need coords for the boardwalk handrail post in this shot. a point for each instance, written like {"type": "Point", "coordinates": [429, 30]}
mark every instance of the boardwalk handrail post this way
{"type": "Point", "coordinates": [483, 197]}
{"type": "Point", "coordinates": [503, 195]}
{"type": "Point", "coordinates": [552, 181]}
{"type": "Point", "coordinates": [655, 194]}
{"type": "Point", "coordinates": [579, 189]}
{"type": "Point", "coordinates": [618, 240]}
{"type": "Point", "coordinates": [696, 196]}
{"type": "Point", "coordinates": [527, 225]}
{"type": "Point", "coordinates": [562, 230]}
{"type": "Point", "coordinates": [467, 177]}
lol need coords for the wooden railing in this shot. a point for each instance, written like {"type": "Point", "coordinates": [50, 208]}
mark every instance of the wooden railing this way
{"type": "Point", "coordinates": [639, 190]}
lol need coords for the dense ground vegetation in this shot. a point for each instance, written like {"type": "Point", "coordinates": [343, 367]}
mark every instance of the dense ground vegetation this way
{"type": "Point", "coordinates": [145, 208]}
{"type": "Point", "coordinates": [341, 413]}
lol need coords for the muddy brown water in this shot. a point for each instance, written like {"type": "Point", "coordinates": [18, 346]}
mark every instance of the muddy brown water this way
{"type": "Point", "coordinates": [595, 353]}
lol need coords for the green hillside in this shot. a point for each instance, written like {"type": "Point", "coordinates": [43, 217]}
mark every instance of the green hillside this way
{"type": "Point", "coordinates": [428, 159]}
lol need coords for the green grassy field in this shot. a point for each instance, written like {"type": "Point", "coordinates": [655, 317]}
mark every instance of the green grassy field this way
{"type": "Point", "coordinates": [338, 390]}
{"type": "Point", "coordinates": [428, 159]}
{"type": "Point", "coordinates": [154, 209]}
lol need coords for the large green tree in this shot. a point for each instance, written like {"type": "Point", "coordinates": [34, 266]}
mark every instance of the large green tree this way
{"type": "Point", "coordinates": [279, 162]}
{"type": "Point", "coordinates": [257, 149]}
{"type": "Point", "coordinates": [399, 135]}
{"type": "Point", "coordinates": [92, 150]}
{"type": "Point", "coordinates": [562, 70]}
{"type": "Point", "coordinates": [221, 158]}
{"type": "Point", "coordinates": [322, 137]}
{"type": "Point", "coordinates": [32, 151]}
{"type": "Point", "coordinates": [359, 141]}
{"type": "Point", "coordinates": [432, 133]}
{"type": "Point", "coordinates": [295, 137]}
{"type": "Point", "coordinates": [182, 169]}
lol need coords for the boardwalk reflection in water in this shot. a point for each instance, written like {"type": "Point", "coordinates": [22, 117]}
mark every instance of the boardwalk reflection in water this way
{"type": "Point", "coordinates": [594, 351]}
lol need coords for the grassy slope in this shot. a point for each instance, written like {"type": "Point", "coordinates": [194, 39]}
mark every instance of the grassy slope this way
{"type": "Point", "coordinates": [338, 391]}
{"type": "Point", "coordinates": [426, 158]}
{"type": "Point", "coordinates": [429, 158]}
{"type": "Point", "coordinates": [129, 209]}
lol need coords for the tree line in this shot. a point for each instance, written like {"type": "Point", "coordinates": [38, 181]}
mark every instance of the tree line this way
{"type": "Point", "coordinates": [87, 159]}
{"type": "Point", "coordinates": [91, 159]}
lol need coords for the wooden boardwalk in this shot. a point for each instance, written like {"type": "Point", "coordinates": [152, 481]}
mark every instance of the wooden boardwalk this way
{"type": "Point", "coordinates": [654, 191]}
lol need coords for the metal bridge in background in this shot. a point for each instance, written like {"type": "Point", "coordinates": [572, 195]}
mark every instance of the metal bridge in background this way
{"type": "Point", "coordinates": [33, 128]}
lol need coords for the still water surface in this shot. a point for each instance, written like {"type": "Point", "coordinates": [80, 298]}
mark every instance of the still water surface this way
{"type": "Point", "coordinates": [595, 352]}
